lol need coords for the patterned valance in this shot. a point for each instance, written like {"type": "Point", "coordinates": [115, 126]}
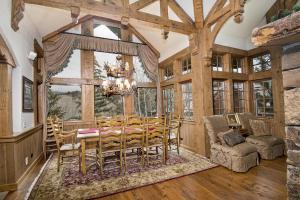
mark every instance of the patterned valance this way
{"type": "Point", "coordinates": [58, 51]}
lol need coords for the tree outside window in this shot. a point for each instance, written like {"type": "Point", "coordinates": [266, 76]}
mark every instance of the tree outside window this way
{"type": "Point", "coordinates": [238, 97]}
{"type": "Point", "coordinates": [187, 100]}
{"type": "Point", "coordinates": [261, 63]}
{"type": "Point", "coordinates": [263, 98]}
{"type": "Point", "coordinates": [168, 100]}
{"type": "Point", "coordinates": [218, 97]}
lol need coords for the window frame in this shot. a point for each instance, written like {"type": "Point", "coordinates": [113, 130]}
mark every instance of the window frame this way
{"type": "Point", "coordinates": [241, 97]}
{"type": "Point", "coordinates": [262, 81]}
{"type": "Point", "coordinates": [187, 96]}
{"type": "Point", "coordinates": [168, 102]}
{"type": "Point", "coordinates": [240, 64]}
{"type": "Point", "coordinates": [80, 97]}
{"type": "Point", "coordinates": [221, 109]}
{"type": "Point", "coordinates": [186, 65]}
{"type": "Point", "coordinates": [262, 62]}
{"type": "Point", "coordinates": [168, 72]}
{"type": "Point", "coordinates": [217, 67]}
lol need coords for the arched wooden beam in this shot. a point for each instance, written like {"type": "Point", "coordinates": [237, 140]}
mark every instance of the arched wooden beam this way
{"type": "Point", "coordinates": [5, 55]}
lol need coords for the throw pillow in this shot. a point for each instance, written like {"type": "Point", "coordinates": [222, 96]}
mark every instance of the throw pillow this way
{"type": "Point", "coordinates": [259, 127]}
{"type": "Point", "coordinates": [221, 136]}
{"type": "Point", "coordinates": [233, 139]}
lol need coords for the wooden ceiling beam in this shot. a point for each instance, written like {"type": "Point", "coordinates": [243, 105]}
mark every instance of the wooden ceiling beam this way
{"type": "Point", "coordinates": [140, 4]}
{"type": "Point", "coordinates": [116, 13]}
{"type": "Point", "coordinates": [183, 16]}
{"type": "Point", "coordinates": [198, 13]}
{"type": "Point", "coordinates": [219, 4]}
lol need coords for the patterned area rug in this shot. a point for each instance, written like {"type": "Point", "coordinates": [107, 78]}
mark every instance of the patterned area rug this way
{"type": "Point", "coordinates": [69, 183]}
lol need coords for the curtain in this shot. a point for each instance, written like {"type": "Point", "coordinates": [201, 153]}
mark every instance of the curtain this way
{"type": "Point", "coordinates": [58, 52]}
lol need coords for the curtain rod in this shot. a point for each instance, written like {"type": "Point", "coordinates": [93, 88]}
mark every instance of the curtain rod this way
{"type": "Point", "coordinates": [103, 38]}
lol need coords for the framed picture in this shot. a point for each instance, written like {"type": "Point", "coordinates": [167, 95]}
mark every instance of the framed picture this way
{"type": "Point", "coordinates": [27, 100]}
{"type": "Point", "coordinates": [232, 118]}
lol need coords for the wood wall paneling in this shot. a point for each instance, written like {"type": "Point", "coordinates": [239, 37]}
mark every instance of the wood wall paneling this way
{"type": "Point", "coordinates": [14, 150]}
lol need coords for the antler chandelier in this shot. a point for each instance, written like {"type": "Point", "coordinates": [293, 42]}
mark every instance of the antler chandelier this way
{"type": "Point", "coordinates": [119, 86]}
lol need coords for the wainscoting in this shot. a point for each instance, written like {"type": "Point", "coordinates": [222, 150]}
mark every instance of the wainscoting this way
{"type": "Point", "coordinates": [19, 153]}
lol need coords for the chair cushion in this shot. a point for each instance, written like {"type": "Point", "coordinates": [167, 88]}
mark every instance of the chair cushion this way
{"type": "Point", "coordinates": [222, 134]}
{"type": "Point", "coordinates": [68, 147]}
{"type": "Point", "coordinates": [266, 140]}
{"type": "Point", "coordinates": [259, 127]}
{"type": "Point", "coordinates": [233, 139]}
{"type": "Point", "coordinates": [242, 149]}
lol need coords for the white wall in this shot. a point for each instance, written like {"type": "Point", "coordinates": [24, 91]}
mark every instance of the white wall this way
{"type": "Point", "coordinates": [20, 44]}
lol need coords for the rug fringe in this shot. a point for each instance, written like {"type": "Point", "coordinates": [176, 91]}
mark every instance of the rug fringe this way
{"type": "Point", "coordinates": [37, 178]}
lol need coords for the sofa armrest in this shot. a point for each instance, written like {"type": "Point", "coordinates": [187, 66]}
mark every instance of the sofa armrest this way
{"type": "Point", "coordinates": [220, 147]}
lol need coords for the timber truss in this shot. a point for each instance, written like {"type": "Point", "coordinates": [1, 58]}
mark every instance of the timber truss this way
{"type": "Point", "coordinates": [126, 13]}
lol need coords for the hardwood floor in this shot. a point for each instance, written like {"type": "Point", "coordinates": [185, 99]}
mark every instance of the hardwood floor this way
{"type": "Point", "coordinates": [267, 181]}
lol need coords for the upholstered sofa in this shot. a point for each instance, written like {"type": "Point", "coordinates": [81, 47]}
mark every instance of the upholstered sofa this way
{"type": "Point", "coordinates": [239, 158]}
{"type": "Point", "coordinates": [268, 146]}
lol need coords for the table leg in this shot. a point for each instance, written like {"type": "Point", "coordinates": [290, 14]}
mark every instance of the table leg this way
{"type": "Point", "coordinates": [83, 166]}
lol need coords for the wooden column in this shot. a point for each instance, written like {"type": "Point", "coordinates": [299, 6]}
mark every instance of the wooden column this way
{"type": "Point", "coordinates": [129, 99]}
{"type": "Point", "coordinates": [201, 87]}
{"type": "Point", "coordinates": [87, 71]}
{"type": "Point", "coordinates": [5, 99]}
{"type": "Point", "coordinates": [247, 86]}
{"type": "Point", "coordinates": [177, 87]}
{"type": "Point", "coordinates": [278, 92]}
{"type": "Point", "coordinates": [228, 85]}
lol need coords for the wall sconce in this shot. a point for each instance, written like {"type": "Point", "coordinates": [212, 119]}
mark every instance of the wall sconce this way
{"type": "Point", "coordinates": [32, 55]}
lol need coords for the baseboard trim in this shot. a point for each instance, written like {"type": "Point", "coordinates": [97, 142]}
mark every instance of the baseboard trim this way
{"type": "Point", "coordinates": [14, 186]}
{"type": "Point", "coordinates": [33, 164]}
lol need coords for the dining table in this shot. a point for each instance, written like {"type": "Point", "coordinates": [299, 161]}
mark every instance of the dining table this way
{"type": "Point", "coordinates": [91, 135]}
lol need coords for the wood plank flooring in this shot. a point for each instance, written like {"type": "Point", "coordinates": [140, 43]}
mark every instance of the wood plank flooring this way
{"type": "Point", "coordinates": [267, 181]}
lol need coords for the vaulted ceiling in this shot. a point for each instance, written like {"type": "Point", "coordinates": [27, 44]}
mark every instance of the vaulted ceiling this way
{"type": "Point", "coordinates": [48, 19]}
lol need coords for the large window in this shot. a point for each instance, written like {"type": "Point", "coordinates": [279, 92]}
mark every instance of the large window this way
{"type": "Point", "coordinates": [217, 62]}
{"type": "Point", "coordinates": [238, 97]}
{"type": "Point", "coordinates": [187, 100]}
{"type": "Point", "coordinates": [261, 63]}
{"type": "Point", "coordinates": [146, 102]}
{"type": "Point", "coordinates": [237, 64]}
{"type": "Point", "coordinates": [139, 74]}
{"type": "Point", "coordinates": [65, 102]}
{"type": "Point", "coordinates": [107, 106]}
{"type": "Point", "coordinates": [218, 97]}
{"type": "Point", "coordinates": [263, 98]}
{"type": "Point", "coordinates": [168, 100]}
{"type": "Point", "coordinates": [168, 72]}
{"type": "Point", "coordinates": [186, 65]}
{"type": "Point", "coordinates": [73, 69]}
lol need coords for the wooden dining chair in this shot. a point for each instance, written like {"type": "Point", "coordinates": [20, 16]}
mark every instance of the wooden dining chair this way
{"type": "Point", "coordinates": [109, 149]}
{"type": "Point", "coordinates": [134, 121]}
{"type": "Point", "coordinates": [156, 137]}
{"type": "Point", "coordinates": [63, 147]}
{"type": "Point", "coordinates": [174, 138]}
{"type": "Point", "coordinates": [134, 138]}
{"type": "Point", "coordinates": [157, 121]}
{"type": "Point", "coordinates": [102, 123]}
